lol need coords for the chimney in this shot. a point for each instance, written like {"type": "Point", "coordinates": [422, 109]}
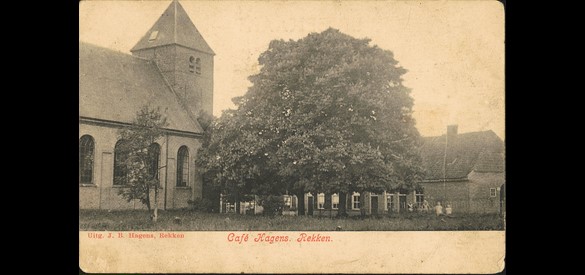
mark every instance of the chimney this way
{"type": "Point", "coordinates": [451, 133]}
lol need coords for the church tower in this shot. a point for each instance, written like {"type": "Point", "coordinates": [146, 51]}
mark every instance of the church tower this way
{"type": "Point", "coordinates": [183, 57]}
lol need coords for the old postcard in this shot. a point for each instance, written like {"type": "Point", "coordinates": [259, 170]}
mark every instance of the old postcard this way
{"type": "Point", "coordinates": [291, 137]}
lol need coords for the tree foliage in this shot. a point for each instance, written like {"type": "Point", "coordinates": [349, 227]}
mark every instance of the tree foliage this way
{"type": "Point", "coordinates": [327, 113]}
{"type": "Point", "coordinates": [138, 155]}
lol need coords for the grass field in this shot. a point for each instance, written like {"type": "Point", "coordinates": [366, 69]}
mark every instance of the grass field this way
{"type": "Point", "coordinates": [193, 221]}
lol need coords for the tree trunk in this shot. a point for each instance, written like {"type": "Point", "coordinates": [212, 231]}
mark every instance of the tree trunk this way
{"type": "Point", "coordinates": [148, 199]}
{"type": "Point", "coordinates": [237, 200]}
{"type": "Point", "coordinates": [155, 215]}
{"type": "Point", "coordinates": [342, 212]}
{"type": "Point", "coordinates": [301, 203]}
{"type": "Point", "coordinates": [327, 204]}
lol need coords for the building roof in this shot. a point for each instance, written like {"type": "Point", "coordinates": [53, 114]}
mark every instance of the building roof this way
{"type": "Point", "coordinates": [467, 152]}
{"type": "Point", "coordinates": [173, 27]}
{"type": "Point", "coordinates": [113, 86]}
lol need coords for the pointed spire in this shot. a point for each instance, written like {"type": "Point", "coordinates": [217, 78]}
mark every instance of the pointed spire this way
{"type": "Point", "coordinates": [173, 27]}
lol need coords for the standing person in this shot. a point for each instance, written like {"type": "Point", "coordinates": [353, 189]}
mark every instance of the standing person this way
{"type": "Point", "coordinates": [439, 209]}
{"type": "Point", "coordinates": [448, 210]}
{"type": "Point", "coordinates": [425, 206]}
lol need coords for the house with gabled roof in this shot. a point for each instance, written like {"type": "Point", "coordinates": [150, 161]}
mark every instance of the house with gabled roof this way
{"type": "Point", "coordinates": [170, 67]}
{"type": "Point", "coordinates": [464, 170]}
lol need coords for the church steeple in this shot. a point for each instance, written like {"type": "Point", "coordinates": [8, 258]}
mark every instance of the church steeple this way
{"type": "Point", "coordinates": [173, 27]}
{"type": "Point", "coordinates": [183, 57]}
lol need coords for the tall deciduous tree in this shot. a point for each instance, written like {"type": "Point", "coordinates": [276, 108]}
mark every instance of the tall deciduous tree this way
{"type": "Point", "coordinates": [327, 113]}
{"type": "Point", "coordinates": [139, 154]}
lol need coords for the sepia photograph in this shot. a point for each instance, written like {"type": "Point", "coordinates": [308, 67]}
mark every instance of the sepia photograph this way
{"type": "Point", "coordinates": [284, 131]}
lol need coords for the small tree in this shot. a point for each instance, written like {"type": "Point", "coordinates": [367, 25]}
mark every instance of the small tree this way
{"type": "Point", "coordinates": [138, 154]}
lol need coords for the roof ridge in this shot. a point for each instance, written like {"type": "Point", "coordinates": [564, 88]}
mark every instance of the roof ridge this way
{"type": "Point", "coordinates": [114, 51]}
{"type": "Point", "coordinates": [459, 134]}
{"type": "Point", "coordinates": [175, 23]}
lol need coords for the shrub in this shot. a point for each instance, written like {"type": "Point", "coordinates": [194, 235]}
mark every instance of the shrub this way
{"type": "Point", "coordinates": [273, 205]}
{"type": "Point", "coordinates": [201, 205]}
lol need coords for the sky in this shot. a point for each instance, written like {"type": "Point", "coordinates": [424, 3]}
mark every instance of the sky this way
{"type": "Point", "coordinates": [453, 50]}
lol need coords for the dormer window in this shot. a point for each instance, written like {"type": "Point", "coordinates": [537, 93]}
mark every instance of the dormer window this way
{"type": "Point", "coordinates": [153, 36]}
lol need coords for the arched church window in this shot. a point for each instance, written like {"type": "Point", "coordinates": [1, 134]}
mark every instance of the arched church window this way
{"type": "Point", "coordinates": [120, 156]}
{"type": "Point", "coordinates": [86, 148]}
{"type": "Point", "coordinates": [183, 167]}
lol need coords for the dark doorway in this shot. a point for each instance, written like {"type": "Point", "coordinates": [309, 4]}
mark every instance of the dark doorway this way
{"type": "Point", "coordinates": [402, 202]}
{"type": "Point", "coordinates": [310, 208]}
{"type": "Point", "coordinates": [374, 205]}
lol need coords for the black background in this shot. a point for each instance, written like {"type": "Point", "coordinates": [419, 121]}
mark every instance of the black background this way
{"type": "Point", "coordinates": [46, 123]}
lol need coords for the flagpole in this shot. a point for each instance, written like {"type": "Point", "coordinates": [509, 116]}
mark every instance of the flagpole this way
{"type": "Point", "coordinates": [445, 167]}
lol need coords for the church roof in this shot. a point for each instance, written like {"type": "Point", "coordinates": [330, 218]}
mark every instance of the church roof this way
{"type": "Point", "coordinates": [173, 27]}
{"type": "Point", "coordinates": [475, 151]}
{"type": "Point", "coordinates": [113, 86]}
